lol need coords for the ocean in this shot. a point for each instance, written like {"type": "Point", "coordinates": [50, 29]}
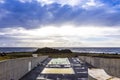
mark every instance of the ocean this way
{"type": "Point", "coordinates": [17, 49]}
{"type": "Point", "coordinates": [109, 50]}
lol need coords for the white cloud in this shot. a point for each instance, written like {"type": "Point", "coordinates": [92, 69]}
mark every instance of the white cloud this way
{"type": "Point", "coordinates": [92, 3]}
{"type": "Point", "coordinates": [109, 43]}
{"type": "Point", "coordinates": [24, 1]}
{"type": "Point", "coordinates": [65, 35]}
{"type": "Point", "coordinates": [62, 2]}
{"type": "Point", "coordinates": [73, 3]}
{"type": "Point", "coordinates": [86, 4]}
{"type": "Point", "coordinates": [2, 1]}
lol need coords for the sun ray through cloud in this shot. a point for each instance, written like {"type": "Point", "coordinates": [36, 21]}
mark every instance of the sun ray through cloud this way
{"type": "Point", "coordinates": [59, 23]}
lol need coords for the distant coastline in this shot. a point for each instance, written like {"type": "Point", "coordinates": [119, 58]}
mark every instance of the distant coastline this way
{"type": "Point", "coordinates": [107, 50]}
{"type": "Point", "coordinates": [52, 53]}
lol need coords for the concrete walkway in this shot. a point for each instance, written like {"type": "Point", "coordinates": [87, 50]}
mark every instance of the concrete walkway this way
{"type": "Point", "coordinates": [80, 69]}
{"type": "Point", "coordinates": [33, 74]}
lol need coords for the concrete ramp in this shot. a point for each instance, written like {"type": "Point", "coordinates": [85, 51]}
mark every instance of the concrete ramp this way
{"type": "Point", "coordinates": [100, 74]}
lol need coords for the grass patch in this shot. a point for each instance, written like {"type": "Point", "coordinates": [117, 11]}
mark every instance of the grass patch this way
{"type": "Point", "coordinates": [101, 55]}
{"type": "Point", "coordinates": [69, 55]}
{"type": "Point", "coordinates": [57, 55]}
{"type": "Point", "coordinates": [16, 55]}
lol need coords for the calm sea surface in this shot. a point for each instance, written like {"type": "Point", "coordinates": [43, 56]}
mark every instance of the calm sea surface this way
{"type": "Point", "coordinates": [74, 49]}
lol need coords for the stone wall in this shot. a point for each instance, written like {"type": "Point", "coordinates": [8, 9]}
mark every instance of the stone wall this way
{"type": "Point", "coordinates": [110, 65]}
{"type": "Point", "coordinates": [14, 69]}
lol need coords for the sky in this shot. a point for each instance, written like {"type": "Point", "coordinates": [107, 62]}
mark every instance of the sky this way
{"type": "Point", "coordinates": [59, 23]}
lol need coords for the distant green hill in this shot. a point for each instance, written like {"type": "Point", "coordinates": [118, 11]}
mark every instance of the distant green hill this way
{"type": "Point", "coordinates": [51, 50]}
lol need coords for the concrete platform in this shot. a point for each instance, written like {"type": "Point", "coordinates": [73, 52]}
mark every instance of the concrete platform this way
{"type": "Point", "coordinates": [57, 71]}
{"type": "Point", "coordinates": [80, 71]}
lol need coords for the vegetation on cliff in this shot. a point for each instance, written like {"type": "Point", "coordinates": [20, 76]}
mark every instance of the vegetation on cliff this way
{"type": "Point", "coordinates": [51, 50]}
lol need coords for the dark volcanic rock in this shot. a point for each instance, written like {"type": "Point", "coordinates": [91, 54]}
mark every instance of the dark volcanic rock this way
{"type": "Point", "coordinates": [3, 54]}
{"type": "Point", "coordinates": [65, 51]}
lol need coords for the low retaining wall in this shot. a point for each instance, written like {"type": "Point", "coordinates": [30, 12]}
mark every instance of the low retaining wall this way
{"type": "Point", "coordinates": [111, 66]}
{"type": "Point", "coordinates": [14, 69]}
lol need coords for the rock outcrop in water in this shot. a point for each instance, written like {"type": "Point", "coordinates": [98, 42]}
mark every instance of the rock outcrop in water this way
{"type": "Point", "coordinates": [51, 50]}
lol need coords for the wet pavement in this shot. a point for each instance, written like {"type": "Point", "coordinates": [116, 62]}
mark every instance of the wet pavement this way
{"type": "Point", "coordinates": [79, 67]}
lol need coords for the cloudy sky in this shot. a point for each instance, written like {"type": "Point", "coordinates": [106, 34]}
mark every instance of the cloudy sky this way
{"type": "Point", "coordinates": [59, 23]}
